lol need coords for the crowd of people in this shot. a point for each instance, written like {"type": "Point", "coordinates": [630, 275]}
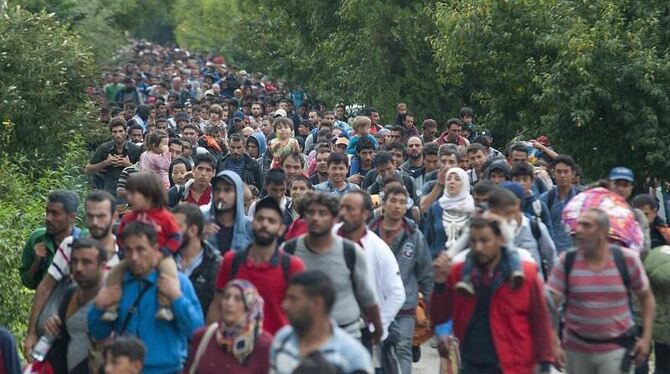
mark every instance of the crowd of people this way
{"type": "Point", "coordinates": [237, 226]}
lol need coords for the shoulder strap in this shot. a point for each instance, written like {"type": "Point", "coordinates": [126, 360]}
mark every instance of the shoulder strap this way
{"type": "Point", "coordinates": [535, 229]}
{"type": "Point", "coordinates": [238, 259]}
{"type": "Point", "coordinates": [349, 250]}
{"type": "Point", "coordinates": [537, 207]}
{"type": "Point", "coordinates": [290, 246]}
{"type": "Point", "coordinates": [620, 263]}
{"type": "Point", "coordinates": [567, 268]}
{"type": "Point", "coordinates": [133, 308]}
{"type": "Point", "coordinates": [285, 260]}
{"type": "Point", "coordinates": [551, 196]}
{"type": "Point", "coordinates": [202, 347]}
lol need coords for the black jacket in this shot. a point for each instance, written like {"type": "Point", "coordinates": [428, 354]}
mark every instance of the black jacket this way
{"type": "Point", "coordinates": [204, 276]}
{"type": "Point", "coordinates": [252, 173]}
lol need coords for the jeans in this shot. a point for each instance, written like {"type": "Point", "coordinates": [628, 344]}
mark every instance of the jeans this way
{"type": "Point", "coordinates": [662, 353]}
{"type": "Point", "coordinates": [404, 346]}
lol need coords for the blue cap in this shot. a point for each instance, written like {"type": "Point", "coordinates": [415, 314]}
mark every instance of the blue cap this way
{"type": "Point", "coordinates": [622, 173]}
{"type": "Point", "coordinates": [238, 116]}
{"type": "Point", "coordinates": [515, 188]}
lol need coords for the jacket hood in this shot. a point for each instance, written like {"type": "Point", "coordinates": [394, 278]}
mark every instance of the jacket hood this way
{"type": "Point", "coordinates": [144, 111]}
{"type": "Point", "coordinates": [261, 142]}
{"type": "Point", "coordinates": [242, 227]}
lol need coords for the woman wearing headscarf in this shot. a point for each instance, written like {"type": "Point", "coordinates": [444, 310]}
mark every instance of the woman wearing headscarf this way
{"type": "Point", "coordinates": [448, 217]}
{"type": "Point", "coordinates": [237, 343]}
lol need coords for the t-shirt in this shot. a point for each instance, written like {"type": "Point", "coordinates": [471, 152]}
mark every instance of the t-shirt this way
{"type": "Point", "coordinates": [348, 304]}
{"type": "Point", "coordinates": [341, 350]}
{"type": "Point", "coordinates": [225, 238]}
{"type": "Point", "coordinates": [269, 280]}
{"type": "Point", "coordinates": [597, 305]}
{"type": "Point", "coordinates": [60, 266]}
{"type": "Point", "coordinates": [203, 200]}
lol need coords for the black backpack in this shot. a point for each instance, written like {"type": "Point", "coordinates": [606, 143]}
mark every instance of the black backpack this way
{"type": "Point", "coordinates": [537, 234]}
{"type": "Point", "coordinates": [240, 257]}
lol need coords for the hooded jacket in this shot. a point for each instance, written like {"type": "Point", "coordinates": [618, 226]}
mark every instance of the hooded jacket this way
{"type": "Point", "coordinates": [261, 142]}
{"type": "Point", "coordinates": [242, 227]}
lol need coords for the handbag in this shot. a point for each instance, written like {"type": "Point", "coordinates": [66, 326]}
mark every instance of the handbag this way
{"type": "Point", "coordinates": [202, 347]}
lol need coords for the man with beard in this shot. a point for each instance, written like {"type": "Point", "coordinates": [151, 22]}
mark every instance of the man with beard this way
{"type": "Point", "coordinates": [196, 258]}
{"type": "Point", "coordinates": [344, 261]}
{"type": "Point", "coordinates": [355, 210]}
{"type": "Point", "coordinates": [308, 303]}
{"type": "Point", "coordinates": [100, 209]}
{"type": "Point", "coordinates": [69, 323]}
{"type": "Point", "coordinates": [228, 227]}
{"type": "Point", "coordinates": [110, 158]}
{"type": "Point", "coordinates": [262, 264]}
{"type": "Point", "coordinates": [241, 163]}
{"type": "Point", "coordinates": [414, 164]}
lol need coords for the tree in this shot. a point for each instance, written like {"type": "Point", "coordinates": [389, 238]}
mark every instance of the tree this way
{"type": "Point", "coordinates": [594, 76]}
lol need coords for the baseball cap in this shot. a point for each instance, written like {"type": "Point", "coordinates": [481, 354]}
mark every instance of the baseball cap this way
{"type": "Point", "coordinates": [238, 116]}
{"type": "Point", "coordinates": [622, 173]}
{"type": "Point", "coordinates": [279, 113]}
{"type": "Point", "coordinates": [342, 140]}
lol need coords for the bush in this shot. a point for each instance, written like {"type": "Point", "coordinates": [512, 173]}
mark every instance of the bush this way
{"type": "Point", "coordinates": [22, 203]}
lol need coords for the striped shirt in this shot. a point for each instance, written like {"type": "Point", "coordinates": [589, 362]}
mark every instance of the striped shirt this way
{"type": "Point", "coordinates": [598, 306]}
{"type": "Point", "coordinates": [60, 266]}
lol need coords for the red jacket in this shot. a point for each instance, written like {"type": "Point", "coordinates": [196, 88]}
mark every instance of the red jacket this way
{"type": "Point", "coordinates": [168, 232]}
{"type": "Point", "coordinates": [519, 319]}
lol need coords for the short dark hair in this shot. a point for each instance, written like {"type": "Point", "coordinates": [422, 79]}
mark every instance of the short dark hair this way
{"type": "Point", "coordinates": [316, 283]}
{"type": "Point", "coordinates": [149, 185]}
{"type": "Point", "coordinates": [139, 228]}
{"type": "Point", "coordinates": [204, 158]}
{"type": "Point", "coordinates": [268, 203]}
{"type": "Point", "coordinates": [383, 158]}
{"type": "Point", "coordinates": [501, 198]}
{"type": "Point", "coordinates": [175, 141]}
{"type": "Point", "coordinates": [483, 187]}
{"type": "Point", "coordinates": [117, 122]}
{"type": "Point", "coordinates": [447, 149]}
{"type": "Point", "coordinates": [302, 178]}
{"type": "Point", "coordinates": [99, 196]}
{"type": "Point", "coordinates": [125, 346]}
{"type": "Point", "coordinates": [338, 158]}
{"type": "Point", "coordinates": [68, 199]}
{"type": "Point", "coordinates": [364, 144]}
{"type": "Point", "coordinates": [399, 129]}
{"type": "Point", "coordinates": [394, 188]}
{"type": "Point", "coordinates": [517, 147]}
{"type": "Point", "coordinates": [396, 146]}
{"type": "Point", "coordinates": [322, 198]}
{"type": "Point", "coordinates": [154, 139]}
{"type": "Point", "coordinates": [192, 214]}
{"type": "Point", "coordinates": [476, 147]}
{"type": "Point", "coordinates": [643, 200]}
{"type": "Point", "coordinates": [80, 243]}
{"type": "Point", "coordinates": [307, 123]}
{"type": "Point", "coordinates": [135, 127]}
{"type": "Point", "coordinates": [454, 121]}
{"type": "Point", "coordinates": [566, 160]}
{"type": "Point", "coordinates": [192, 127]}
{"type": "Point", "coordinates": [295, 155]}
{"type": "Point", "coordinates": [235, 137]}
{"type": "Point", "coordinates": [478, 222]}
{"type": "Point", "coordinates": [467, 111]}
{"type": "Point", "coordinates": [430, 149]}
{"type": "Point", "coordinates": [275, 176]}
{"type": "Point", "coordinates": [523, 169]}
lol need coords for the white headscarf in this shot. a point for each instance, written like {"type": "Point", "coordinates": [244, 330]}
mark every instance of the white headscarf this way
{"type": "Point", "coordinates": [462, 202]}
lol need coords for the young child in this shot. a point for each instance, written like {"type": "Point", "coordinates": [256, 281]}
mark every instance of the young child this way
{"type": "Point", "coordinates": [401, 110]}
{"type": "Point", "coordinates": [148, 202]}
{"type": "Point", "coordinates": [361, 126]}
{"type": "Point", "coordinates": [284, 143]}
{"type": "Point", "coordinates": [124, 355]}
{"type": "Point", "coordinates": [157, 158]}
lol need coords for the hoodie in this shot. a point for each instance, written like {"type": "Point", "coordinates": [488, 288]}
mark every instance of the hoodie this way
{"type": "Point", "coordinates": [242, 227]}
{"type": "Point", "coordinates": [261, 142]}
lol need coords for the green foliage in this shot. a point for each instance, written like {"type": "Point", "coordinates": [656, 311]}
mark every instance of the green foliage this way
{"type": "Point", "coordinates": [22, 202]}
{"type": "Point", "coordinates": [45, 72]}
{"type": "Point", "coordinates": [594, 76]}
{"type": "Point", "coordinates": [205, 25]}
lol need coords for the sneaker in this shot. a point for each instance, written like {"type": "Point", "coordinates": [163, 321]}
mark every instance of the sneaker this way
{"type": "Point", "coordinates": [109, 315]}
{"type": "Point", "coordinates": [517, 279]}
{"type": "Point", "coordinates": [465, 287]}
{"type": "Point", "coordinates": [164, 314]}
{"type": "Point", "coordinates": [416, 353]}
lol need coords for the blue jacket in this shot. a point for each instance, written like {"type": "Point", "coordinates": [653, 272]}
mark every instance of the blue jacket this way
{"type": "Point", "coordinates": [166, 341]}
{"type": "Point", "coordinates": [433, 229]}
{"type": "Point", "coordinates": [351, 148]}
{"type": "Point", "coordinates": [561, 236]}
{"type": "Point", "coordinates": [242, 229]}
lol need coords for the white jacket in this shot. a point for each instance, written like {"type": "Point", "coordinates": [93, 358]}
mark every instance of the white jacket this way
{"type": "Point", "coordinates": [383, 268]}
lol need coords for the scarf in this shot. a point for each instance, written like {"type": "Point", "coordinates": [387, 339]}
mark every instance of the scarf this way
{"type": "Point", "coordinates": [239, 339]}
{"type": "Point", "coordinates": [462, 202]}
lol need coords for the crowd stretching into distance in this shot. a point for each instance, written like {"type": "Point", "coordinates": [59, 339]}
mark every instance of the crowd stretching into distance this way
{"type": "Point", "coordinates": [237, 226]}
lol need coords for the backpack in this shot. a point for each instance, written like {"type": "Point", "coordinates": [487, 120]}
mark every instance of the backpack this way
{"type": "Point", "coordinates": [349, 250]}
{"type": "Point", "coordinates": [619, 260]}
{"type": "Point", "coordinates": [240, 257]}
{"type": "Point", "coordinates": [537, 234]}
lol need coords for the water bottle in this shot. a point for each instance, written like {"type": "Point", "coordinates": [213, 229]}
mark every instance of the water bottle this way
{"type": "Point", "coordinates": [42, 347]}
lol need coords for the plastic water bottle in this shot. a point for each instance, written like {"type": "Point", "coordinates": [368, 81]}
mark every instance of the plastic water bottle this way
{"type": "Point", "coordinates": [42, 347]}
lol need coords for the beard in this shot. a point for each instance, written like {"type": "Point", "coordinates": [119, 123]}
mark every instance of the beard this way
{"type": "Point", "coordinates": [264, 240]}
{"type": "Point", "coordinates": [349, 226]}
{"type": "Point", "coordinates": [301, 325]}
{"type": "Point", "coordinates": [99, 233]}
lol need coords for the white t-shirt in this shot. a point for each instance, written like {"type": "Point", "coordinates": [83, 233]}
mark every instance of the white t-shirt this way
{"type": "Point", "coordinates": [60, 265]}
